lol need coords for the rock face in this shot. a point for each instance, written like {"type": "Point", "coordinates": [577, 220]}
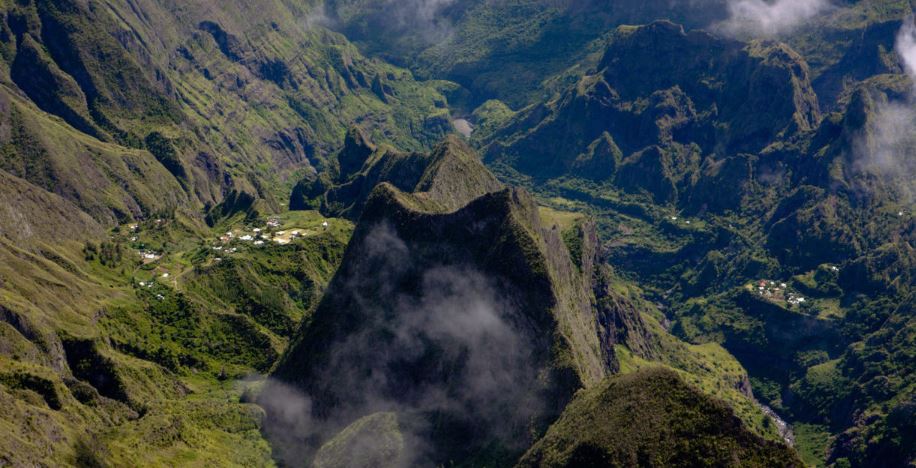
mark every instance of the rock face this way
{"type": "Point", "coordinates": [449, 176]}
{"type": "Point", "coordinates": [459, 325]}
{"type": "Point", "coordinates": [131, 140]}
{"type": "Point", "coordinates": [473, 320]}
{"type": "Point", "coordinates": [649, 125]}
{"type": "Point", "coordinates": [355, 153]}
{"type": "Point", "coordinates": [627, 421]}
{"type": "Point", "coordinates": [465, 318]}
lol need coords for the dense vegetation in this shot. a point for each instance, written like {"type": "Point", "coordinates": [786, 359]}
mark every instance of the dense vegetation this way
{"type": "Point", "coordinates": [671, 232]}
{"type": "Point", "coordinates": [650, 418]}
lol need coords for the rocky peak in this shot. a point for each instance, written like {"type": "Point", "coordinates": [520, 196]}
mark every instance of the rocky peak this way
{"type": "Point", "coordinates": [356, 150]}
{"type": "Point", "coordinates": [454, 280]}
{"type": "Point", "coordinates": [449, 176]}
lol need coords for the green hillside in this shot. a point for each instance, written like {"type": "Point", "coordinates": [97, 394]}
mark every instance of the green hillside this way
{"type": "Point", "coordinates": [628, 421]}
{"type": "Point", "coordinates": [438, 233]}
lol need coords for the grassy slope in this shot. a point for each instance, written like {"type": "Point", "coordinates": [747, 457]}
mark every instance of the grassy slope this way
{"type": "Point", "coordinates": [651, 417]}
{"type": "Point", "coordinates": [232, 121]}
{"type": "Point", "coordinates": [173, 352]}
{"type": "Point", "coordinates": [250, 122]}
{"type": "Point", "coordinates": [251, 100]}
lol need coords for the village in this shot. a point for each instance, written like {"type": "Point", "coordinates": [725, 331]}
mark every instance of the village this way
{"type": "Point", "coordinates": [260, 236]}
{"type": "Point", "coordinates": [160, 266]}
{"type": "Point", "coordinates": [778, 292]}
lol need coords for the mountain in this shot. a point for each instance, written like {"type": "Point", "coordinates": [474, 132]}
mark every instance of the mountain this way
{"type": "Point", "coordinates": [124, 125]}
{"type": "Point", "coordinates": [444, 295]}
{"type": "Point", "coordinates": [517, 51]}
{"type": "Point", "coordinates": [197, 106]}
{"type": "Point", "coordinates": [628, 421]}
{"type": "Point", "coordinates": [699, 95]}
{"type": "Point", "coordinates": [448, 176]}
{"type": "Point", "coordinates": [464, 319]}
{"type": "Point", "coordinates": [477, 233]}
{"type": "Point", "coordinates": [499, 50]}
{"type": "Point", "coordinates": [726, 189]}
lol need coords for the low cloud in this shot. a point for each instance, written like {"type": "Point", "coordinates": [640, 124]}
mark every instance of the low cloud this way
{"type": "Point", "coordinates": [424, 10]}
{"type": "Point", "coordinates": [449, 343]}
{"type": "Point", "coordinates": [291, 424]}
{"type": "Point", "coordinates": [317, 17]}
{"type": "Point", "coordinates": [764, 18]}
{"type": "Point", "coordinates": [906, 49]}
{"type": "Point", "coordinates": [424, 18]}
{"type": "Point", "coordinates": [886, 148]}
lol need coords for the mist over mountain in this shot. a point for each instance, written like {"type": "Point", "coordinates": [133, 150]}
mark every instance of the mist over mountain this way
{"type": "Point", "coordinates": [385, 233]}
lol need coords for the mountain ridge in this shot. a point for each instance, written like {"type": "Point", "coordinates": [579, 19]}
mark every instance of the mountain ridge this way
{"type": "Point", "coordinates": [379, 233]}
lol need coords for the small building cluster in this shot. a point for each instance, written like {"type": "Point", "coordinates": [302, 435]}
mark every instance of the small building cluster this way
{"type": "Point", "coordinates": [772, 290]}
{"type": "Point", "coordinates": [148, 256]}
{"type": "Point", "coordinates": [675, 218]}
{"type": "Point", "coordinates": [149, 285]}
{"type": "Point", "coordinates": [777, 291]}
{"type": "Point", "coordinates": [795, 299]}
{"type": "Point", "coordinates": [260, 236]}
